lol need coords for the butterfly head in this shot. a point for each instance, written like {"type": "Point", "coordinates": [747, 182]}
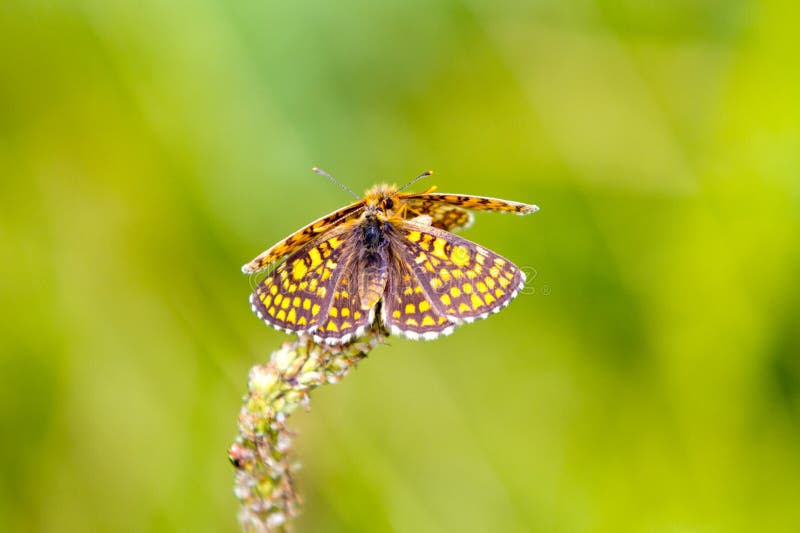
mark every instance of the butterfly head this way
{"type": "Point", "coordinates": [380, 201]}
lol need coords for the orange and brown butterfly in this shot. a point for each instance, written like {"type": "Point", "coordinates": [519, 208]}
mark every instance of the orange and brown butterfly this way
{"type": "Point", "coordinates": [389, 261]}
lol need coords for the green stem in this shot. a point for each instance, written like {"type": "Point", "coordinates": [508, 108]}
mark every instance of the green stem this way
{"type": "Point", "coordinates": [261, 454]}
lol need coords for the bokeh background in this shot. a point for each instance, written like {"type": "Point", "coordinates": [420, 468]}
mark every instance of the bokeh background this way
{"type": "Point", "coordinates": [649, 382]}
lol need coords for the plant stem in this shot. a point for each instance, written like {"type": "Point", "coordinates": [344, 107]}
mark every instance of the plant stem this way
{"type": "Point", "coordinates": [261, 454]}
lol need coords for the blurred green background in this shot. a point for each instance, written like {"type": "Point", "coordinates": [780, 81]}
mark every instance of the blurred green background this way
{"type": "Point", "coordinates": [651, 382]}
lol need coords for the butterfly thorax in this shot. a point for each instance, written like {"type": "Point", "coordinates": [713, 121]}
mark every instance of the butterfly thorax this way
{"type": "Point", "coordinates": [373, 231]}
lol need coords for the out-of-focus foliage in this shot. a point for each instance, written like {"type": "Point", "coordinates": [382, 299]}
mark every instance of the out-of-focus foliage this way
{"type": "Point", "coordinates": [651, 382]}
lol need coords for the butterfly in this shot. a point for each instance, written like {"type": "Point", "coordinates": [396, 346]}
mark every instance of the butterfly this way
{"type": "Point", "coordinates": [389, 261]}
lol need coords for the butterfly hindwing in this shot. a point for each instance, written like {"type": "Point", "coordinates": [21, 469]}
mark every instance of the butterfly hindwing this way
{"type": "Point", "coordinates": [346, 318]}
{"type": "Point", "coordinates": [297, 295]}
{"type": "Point", "coordinates": [462, 280]}
{"type": "Point", "coordinates": [407, 310]}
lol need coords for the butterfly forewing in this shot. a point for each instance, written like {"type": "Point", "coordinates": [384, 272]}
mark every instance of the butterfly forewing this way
{"type": "Point", "coordinates": [462, 280]}
{"type": "Point", "coordinates": [477, 203]}
{"type": "Point", "coordinates": [443, 216]}
{"type": "Point", "coordinates": [301, 237]}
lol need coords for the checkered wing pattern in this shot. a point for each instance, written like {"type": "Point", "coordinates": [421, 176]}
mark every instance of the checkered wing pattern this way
{"type": "Point", "coordinates": [477, 203]}
{"type": "Point", "coordinates": [443, 216]}
{"type": "Point", "coordinates": [407, 309]}
{"type": "Point", "coordinates": [301, 237]}
{"type": "Point", "coordinates": [347, 317]}
{"type": "Point", "coordinates": [461, 280]}
{"type": "Point", "coordinates": [311, 292]}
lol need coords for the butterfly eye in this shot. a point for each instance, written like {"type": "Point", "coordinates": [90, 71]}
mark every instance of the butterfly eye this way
{"type": "Point", "coordinates": [388, 204]}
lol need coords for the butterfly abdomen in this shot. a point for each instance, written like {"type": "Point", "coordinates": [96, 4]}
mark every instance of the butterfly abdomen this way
{"type": "Point", "coordinates": [372, 279]}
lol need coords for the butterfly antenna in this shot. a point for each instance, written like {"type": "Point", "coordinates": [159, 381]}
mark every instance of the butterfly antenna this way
{"type": "Point", "coordinates": [337, 182]}
{"type": "Point", "coordinates": [412, 182]}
